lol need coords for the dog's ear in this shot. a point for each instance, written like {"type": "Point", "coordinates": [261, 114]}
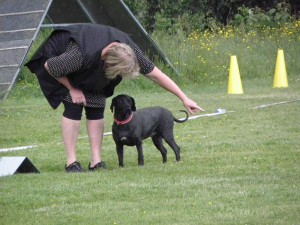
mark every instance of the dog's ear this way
{"type": "Point", "coordinates": [133, 108]}
{"type": "Point", "coordinates": [112, 105]}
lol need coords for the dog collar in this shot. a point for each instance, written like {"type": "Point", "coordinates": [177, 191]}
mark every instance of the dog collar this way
{"type": "Point", "coordinates": [118, 122]}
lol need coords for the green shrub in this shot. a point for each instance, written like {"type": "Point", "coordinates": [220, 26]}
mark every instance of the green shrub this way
{"type": "Point", "coordinates": [256, 18]}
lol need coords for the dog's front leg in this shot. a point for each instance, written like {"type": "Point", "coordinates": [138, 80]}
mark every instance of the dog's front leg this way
{"type": "Point", "coordinates": [139, 148]}
{"type": "Point", "coordinates": [120, 150]}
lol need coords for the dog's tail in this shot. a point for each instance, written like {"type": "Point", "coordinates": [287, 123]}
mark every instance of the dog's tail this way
{"type": "Point", "coordinates": [182, 120]}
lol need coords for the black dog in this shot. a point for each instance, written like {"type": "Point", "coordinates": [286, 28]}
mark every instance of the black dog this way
{"type": "Point", "coordinates": [131, 127]}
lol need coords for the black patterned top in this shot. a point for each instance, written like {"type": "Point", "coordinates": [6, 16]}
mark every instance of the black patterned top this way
{"type": "Point", "coordinates": [71, 61]}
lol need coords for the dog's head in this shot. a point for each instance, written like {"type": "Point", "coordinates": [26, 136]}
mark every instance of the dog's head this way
{"type": "Point", "coordinates": [122, 106]}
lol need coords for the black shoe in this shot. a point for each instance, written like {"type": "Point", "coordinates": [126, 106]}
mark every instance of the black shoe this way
{"type": "Point", "coordinates": [74, 167]}
{"type": "Point", "coordinates": [98, 166]}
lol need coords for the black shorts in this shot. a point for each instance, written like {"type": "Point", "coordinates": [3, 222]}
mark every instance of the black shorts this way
{"type": "Point", "coordinates": [74, 112]}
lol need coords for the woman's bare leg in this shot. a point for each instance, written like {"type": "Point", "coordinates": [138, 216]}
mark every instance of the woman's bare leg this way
{"type": "Point", "coordinates": [95, 129]}
{"type": "Point", "coordinates": [70, 130]}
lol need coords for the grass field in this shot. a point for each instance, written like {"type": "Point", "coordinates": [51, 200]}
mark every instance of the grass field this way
{"type": "Point", "coordinates": [238, 168]}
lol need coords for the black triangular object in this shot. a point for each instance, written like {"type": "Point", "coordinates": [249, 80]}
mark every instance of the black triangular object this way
{"type": "Point", "coordinates": [13, 165]}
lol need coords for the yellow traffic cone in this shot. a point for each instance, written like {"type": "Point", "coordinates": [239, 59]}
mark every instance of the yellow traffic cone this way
{"type": "Point", "coordinates": [234, 83]}
{"type": "Point", "coordinates": [280, 76]}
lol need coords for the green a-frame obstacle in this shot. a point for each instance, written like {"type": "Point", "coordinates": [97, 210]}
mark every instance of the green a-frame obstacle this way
{"type": "Point", "coordinates": [21, 20]}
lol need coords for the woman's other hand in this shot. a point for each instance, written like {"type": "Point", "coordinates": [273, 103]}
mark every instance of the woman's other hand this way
{"type": "Point", "coordinates": [77, 96]}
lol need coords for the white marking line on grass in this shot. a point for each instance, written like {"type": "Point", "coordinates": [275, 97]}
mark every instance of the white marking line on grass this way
{"type": "Point", "coordinates": [217, 113]}
{"type": "Point", "coordinates": [17, 148]}
{"type": "Point", "coordinates": [107, 134]}
{"type": "Point", "coordinates": [190, 118]}
{"type": "Point", "coordinates": [205, 115]}
{"type": "Point", "coordinates": [85, 136]}
{"type": "Point", "coordinates": [276, 103]}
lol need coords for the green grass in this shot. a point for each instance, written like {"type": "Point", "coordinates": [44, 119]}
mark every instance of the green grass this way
{"type": "Point", "coordinates": [238, 168]}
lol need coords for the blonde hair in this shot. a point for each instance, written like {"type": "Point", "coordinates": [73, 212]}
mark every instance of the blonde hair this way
{"type": "Point", "coordinates": [121, 60]}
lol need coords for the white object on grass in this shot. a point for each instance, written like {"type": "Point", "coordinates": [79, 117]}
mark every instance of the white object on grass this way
{"type": "Point", "coordinates": [17, 148]}
{"type": "Point", "coordinates": [217, 113]}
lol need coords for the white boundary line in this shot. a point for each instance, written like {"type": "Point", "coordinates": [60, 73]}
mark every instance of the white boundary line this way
{"type": "Point", "coordinates": [272, 104]}
{"type": "Point", "coordinates": [85, 136]}
{"type": "Point", "coordinates": [217, 113]}
{"type": "Point", "coordinates": [17, 148]}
